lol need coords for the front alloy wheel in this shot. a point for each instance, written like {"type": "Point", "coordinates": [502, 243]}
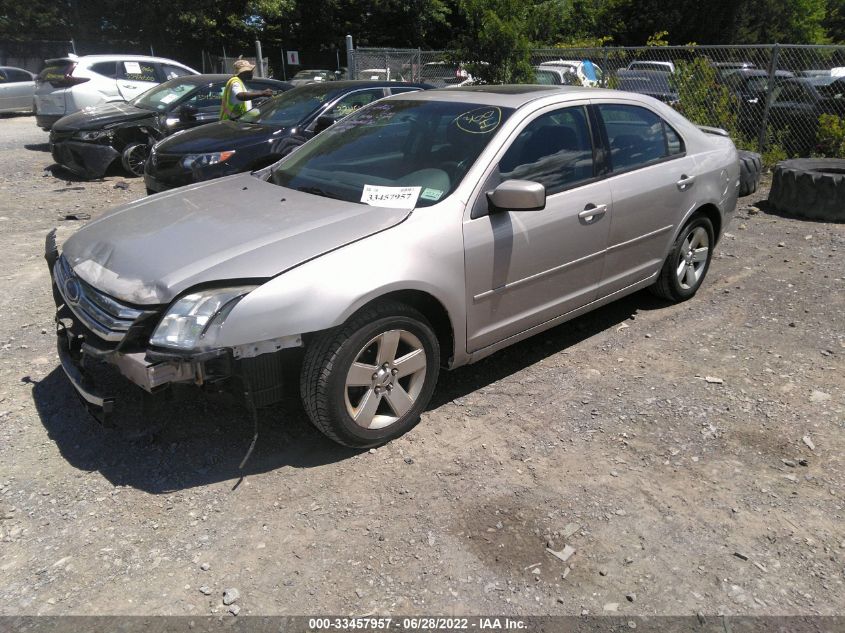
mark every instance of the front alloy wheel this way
{"type": "Point", "coordinates": [367, 382]}
{"type": "Point", "coordinates": [135, 157]}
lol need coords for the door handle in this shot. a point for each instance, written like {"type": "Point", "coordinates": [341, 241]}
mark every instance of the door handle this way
{"type": "Point", "coordinates": [685, 182]}
{"type": "Point", "coordinates": [592, 213]}
{"type": "Point", "coordinates": [129, 86]}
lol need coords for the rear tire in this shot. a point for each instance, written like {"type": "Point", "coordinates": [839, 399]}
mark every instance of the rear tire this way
{"type": "Point", "coordinates": [686, 266]}
{"type": "Point", "coordinates": [367, 381]}
{"type": "Point", "coordinates": [134, 158]}
{"type": "Point", "coordinates": [750, 169]}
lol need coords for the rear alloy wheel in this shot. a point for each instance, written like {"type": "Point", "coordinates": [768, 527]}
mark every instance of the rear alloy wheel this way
{"type": "Point", "coordinates": [684, 269]}
{"type": "Point", "coordinates": [135, 157]}
{"type": "Point", "coordinates": [368, 381]}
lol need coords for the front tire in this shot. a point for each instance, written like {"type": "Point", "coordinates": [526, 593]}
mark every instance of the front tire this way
{"type": "Point", "coordinates": [367, 382]}
{"type": "Point", "coordinates": [134, 158]}
{"type": "Point", "coordinates": [686, 266]}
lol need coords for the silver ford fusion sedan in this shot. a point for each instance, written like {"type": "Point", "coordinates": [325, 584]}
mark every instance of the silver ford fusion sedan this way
{"type": "Point", "coordinates": [425, 230]}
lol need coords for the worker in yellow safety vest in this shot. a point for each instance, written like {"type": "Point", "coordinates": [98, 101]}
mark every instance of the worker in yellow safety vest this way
{"type": "Point", "coordinates": [236, 98]}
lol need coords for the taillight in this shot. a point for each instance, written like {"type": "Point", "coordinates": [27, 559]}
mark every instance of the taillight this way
{"type": "Point", "coordinates": [60, 76]}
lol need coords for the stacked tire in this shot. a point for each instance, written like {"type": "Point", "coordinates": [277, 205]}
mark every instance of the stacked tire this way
{"type": "Point", "coordinates": [811, 188]}
{"type": "Point", "coordinates": [750, 169]}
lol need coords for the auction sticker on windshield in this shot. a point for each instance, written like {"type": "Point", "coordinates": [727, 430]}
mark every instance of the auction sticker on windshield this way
{"type": "Point", "coordinates": [393, 197]}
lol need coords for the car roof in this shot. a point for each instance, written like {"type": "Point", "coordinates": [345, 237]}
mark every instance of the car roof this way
{"type": "Point", "coordinates": [507, 96]}
{"type": "Point", "coordinates": [115, 57]}
{"type": "Point", "coordinates": [200, 79]}
{"type": "Point", "coordinates": [346, 84]}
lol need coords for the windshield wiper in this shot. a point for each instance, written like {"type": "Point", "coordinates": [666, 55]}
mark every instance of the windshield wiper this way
{"type": "Point", "coordinates": [319, 192]}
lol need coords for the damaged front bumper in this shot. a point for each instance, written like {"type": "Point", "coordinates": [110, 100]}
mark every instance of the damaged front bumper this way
{"type": "Point", "coordinates": [88, 160]}
{"type": "Point", "coordinates": [88, 334]}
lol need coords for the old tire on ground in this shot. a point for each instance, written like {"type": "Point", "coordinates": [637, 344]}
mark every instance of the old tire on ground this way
{"type": "Point", "coordinates": [368, 380]}
{"type": "Point", "coordinates": [750, 169]}
{"type": "Point", "coordinates": [134, 158]}
{"type": "Point", "coordinates": [686, 266]}
{"type": "Point", "coordinates": [810, 187]}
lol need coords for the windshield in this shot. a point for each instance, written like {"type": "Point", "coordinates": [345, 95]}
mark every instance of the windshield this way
{"type": "Point", "coordinates": [160, 97]}
{"type": "Point", "coordinates": [290, 108]}
{"type": "Point", "coordinates": [421, 148]}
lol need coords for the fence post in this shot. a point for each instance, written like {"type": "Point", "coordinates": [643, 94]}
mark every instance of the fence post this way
{"type": "Point", "coordinates": [764, 124]}
{"type": "Point", "coordinates": [350, 58]}
{"type": "Point", "coordinates": [73, 46]}
{"type": "Point", "coordinates": [259, 59]}
{"type": "Point", "coordinates": [605, 70]}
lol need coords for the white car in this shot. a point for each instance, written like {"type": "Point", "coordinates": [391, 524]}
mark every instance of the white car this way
{"type": "Point", "coordinates": [588, 73]}
{"type": "Point", "coordinates": [68, 84]}
{"type": "Point", "coordinates": [16, 88]}
{"type": "Point", "coordinates": [667, 67]}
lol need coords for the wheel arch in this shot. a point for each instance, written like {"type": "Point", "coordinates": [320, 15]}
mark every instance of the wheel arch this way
{"type": "Point", "coordinates": [712, 213]}
{"type": "Point", "coordinates": [431, 308]}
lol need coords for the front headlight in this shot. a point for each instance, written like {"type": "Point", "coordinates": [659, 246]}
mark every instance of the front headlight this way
{"type": "Point", "coordinates": [198, 161]}
{"type": "Point", "coordinates": [191, 322]}
{"type": "Point", "coordinates": [92, 135]}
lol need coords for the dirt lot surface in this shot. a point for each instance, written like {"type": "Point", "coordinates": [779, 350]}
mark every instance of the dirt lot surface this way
{"type": "Point", "coordinates": [692, 455]}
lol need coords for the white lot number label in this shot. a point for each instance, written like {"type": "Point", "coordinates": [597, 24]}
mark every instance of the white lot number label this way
{"type": "Point", "coordinates": [132, 68]}
{"type": "Point", "coordinates": [393, 197]}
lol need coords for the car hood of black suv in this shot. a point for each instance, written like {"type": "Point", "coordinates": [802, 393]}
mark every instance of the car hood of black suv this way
{"type": "Point", "coordinates": [98, 117]}
{"type": "Point", "coordinates": [220, 136]}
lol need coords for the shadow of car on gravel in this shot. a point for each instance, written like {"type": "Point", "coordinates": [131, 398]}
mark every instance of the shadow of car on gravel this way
{"type": "Point", "coordinates": [204, 436]}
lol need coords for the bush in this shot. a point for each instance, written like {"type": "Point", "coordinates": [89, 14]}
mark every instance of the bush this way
{"type": "Point", "coordinates": [830, 136]}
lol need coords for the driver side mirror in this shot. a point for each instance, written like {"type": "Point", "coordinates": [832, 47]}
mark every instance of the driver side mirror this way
{"type": "Point", "coordinates": [517, 195]}
{"type": "Point", "coordinates": [187, 113]}
{"type": "Point", "coordinates": [323, 122]}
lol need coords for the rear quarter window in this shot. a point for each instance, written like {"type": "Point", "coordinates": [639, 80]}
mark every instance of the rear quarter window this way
{"type": "Point", "coordinates": [106, 69]}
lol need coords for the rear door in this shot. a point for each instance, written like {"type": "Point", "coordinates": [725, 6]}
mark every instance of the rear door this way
{"type": "Point", "coordinates": [652, 184]}
{"type": "Point", "coordinates": [135, 77]}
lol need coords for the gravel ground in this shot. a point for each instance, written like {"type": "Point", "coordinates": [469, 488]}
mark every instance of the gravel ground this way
{"type": "Point", "coordinates": [691, 454]}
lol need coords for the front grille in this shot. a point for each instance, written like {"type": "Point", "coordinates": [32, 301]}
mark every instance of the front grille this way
{"type": "Point", "coordinates": [106, 317]}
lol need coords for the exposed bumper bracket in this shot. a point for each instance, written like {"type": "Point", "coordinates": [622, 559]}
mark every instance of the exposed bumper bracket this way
{"type": "Point", "coordinates": [100, 407]}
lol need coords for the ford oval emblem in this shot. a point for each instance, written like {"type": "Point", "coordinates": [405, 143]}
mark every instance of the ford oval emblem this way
{"type": "Point", "coordinates": [73, 291]}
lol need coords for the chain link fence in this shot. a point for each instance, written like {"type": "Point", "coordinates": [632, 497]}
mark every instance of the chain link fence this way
{"type": "Point", "coordinates": [773, 98]}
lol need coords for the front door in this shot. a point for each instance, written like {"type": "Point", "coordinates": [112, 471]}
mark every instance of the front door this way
{"type": "Point", "coordinates": [526, 267]}
{"type": "Point", "coordinates": [135, 77]}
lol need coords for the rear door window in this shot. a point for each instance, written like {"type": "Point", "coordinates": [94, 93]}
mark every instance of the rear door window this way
{"type": "Point", "coordinates": [637, 136]}
{"type": "Point", "coordinates": [169, 71]}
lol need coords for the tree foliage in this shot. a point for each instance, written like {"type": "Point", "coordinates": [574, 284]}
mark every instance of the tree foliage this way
{"type": "Point", "coordinates": [485, 27]}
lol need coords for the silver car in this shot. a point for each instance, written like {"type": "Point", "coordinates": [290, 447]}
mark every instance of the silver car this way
{"type": "Point", "coordinates": [17, 87]}
{"type": "Point", "coordinates": [426, 230]}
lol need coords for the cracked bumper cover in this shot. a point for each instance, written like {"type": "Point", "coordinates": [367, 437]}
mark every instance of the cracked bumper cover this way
{"type": "Point", "coordinates": [88, 160]}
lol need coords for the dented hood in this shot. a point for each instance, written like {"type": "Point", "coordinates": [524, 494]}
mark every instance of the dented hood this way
{"type": "Point", "coordinates": [101, 116]}
{"type": "Point", "coordinates": [234, 228]}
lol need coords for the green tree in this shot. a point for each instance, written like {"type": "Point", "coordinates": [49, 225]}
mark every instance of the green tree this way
{"type": "Point", "coordinates": [495, 45]}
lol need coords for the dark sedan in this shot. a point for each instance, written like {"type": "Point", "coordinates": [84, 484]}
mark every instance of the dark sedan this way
{"type": "Point", "coordinates": [261, 136]}
{"type": "Point", "coordinates": [89, 141]}
{"type": "Point", "coordinates": [796, 106]}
